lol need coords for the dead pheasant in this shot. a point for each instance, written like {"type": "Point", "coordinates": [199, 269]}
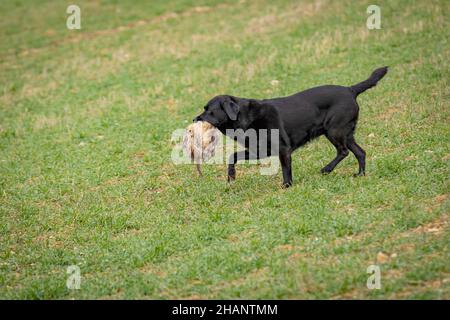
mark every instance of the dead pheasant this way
{"type": "Point", "coordinates": [199, 142]}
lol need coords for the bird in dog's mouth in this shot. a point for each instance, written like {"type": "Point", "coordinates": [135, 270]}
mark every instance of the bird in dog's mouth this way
{"type": "Point", "coordinates": [199, 142]}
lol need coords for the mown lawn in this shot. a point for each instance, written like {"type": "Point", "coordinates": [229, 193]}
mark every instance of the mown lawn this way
{"type": "Point", "coordinates": [86, 176]}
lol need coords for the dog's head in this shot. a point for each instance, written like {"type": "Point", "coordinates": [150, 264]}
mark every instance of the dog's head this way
{"type": "Point", "coordinates": [220, 111]}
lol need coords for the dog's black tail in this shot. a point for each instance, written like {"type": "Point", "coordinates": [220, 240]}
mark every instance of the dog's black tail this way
{"type": "Point", "coordinates": [376, 76]}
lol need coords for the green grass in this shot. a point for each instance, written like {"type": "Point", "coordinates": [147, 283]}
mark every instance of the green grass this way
{"type": "Point", "coordinates": [86, 178]}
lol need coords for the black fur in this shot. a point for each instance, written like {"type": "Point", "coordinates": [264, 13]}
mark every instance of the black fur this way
{"type": "Point", "coordinates": [326, 110]}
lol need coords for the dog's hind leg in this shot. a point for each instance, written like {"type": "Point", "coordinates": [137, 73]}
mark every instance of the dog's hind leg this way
{"type": "Point", "coordinates": [359, 153]}
{"type": "Point", "coordinates": [339, 141]}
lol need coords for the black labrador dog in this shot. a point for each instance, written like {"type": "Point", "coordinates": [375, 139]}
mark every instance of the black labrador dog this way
{"type": "Point", "coordinates": [328, 110]}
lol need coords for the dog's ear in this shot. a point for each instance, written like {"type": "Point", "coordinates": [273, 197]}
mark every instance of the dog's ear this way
{"type": "Point", "coordinates": [231, 108]}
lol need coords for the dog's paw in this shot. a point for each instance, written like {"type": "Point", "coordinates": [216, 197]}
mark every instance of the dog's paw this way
{"type": "Point", "coordinates": [325, 170]}
{"type": "Point", "coordinates": [359, 174]}
{"type": "Point", "coordinates": [231, 178]}
{"type": "Point", "coordinates": [286, 185]}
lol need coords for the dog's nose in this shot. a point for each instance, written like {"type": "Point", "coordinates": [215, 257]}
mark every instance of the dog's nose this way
{"type": "Point", "coordinates": [197, 119]}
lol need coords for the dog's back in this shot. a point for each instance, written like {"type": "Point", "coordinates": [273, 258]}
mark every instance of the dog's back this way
{"type": "Point", "coordinates": [323, 97]}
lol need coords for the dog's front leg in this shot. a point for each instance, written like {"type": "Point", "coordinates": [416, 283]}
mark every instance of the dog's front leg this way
{"type": "Point", "coordinates": [286, 167]}
{"type": "Point", "coordinates": [234, 158]}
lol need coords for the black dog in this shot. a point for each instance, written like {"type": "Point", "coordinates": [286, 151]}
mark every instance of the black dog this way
{"type": "Point", "coordinates": [330, 110]}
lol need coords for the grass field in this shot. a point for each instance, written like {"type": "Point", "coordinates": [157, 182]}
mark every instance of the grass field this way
{"type": "Point", "coordinates": [86, 177]}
